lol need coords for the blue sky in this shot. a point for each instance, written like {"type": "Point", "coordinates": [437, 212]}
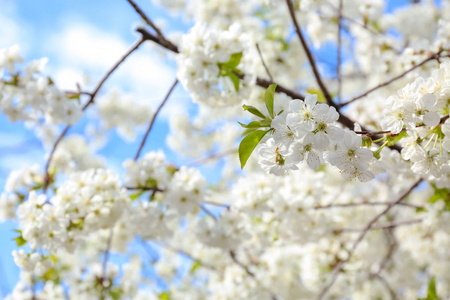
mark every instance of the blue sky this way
{"type": "Point", "coordinates": [86, 37]}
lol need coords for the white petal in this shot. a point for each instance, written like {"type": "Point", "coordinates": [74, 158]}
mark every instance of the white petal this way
{"type": "Point", "coordinates": [311, 99]}
{"type": "Point", "coordinates": [431, 118]}
{"type": "Point", "coordinates": [335, 133]}
{"type": "Point", "coordinates": [428, 100]}
{"type": "Point", "coordinates": [365, 176]}
{"type": "Point", "coordinates": [296, 105]}
{"type": "Point", "coordinates": [313, 160]}
{"type": "Point", "coordinates": [321, 140]}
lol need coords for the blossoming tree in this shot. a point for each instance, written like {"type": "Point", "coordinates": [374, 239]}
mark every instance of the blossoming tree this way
{"type": "Point", "coordinates": [345, 188]}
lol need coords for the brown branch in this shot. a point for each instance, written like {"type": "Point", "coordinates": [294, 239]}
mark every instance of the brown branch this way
{"type": "Point", "coordinates": [388, 287]}
{"type": "Point", "coordinates": [383, 226]}
{"type": "Point", "coordinates": [429, 58]}
{"type": "Point", "coordinates": [338, 267]}
{"type": "Point", "coordinates": [263, 62]}
{"type": "Point", "coordinates": [161, 38]}
{"type": "Point", "coordinates": [104, 264]}
{"type": "Point", "coordinates": [213, 156]}
{"type": "Point", "coordinates": [155, 189]}
{"type": "Point", "coordinates": [311, 60]}
{"type": "Point", "coordinates": [152, 121]}
{"type": "Point", "coordinates": [146, 18]}
{"type": "Point", "coordinates": [208, 212]}
{"type": "Point", "coordinates": [344, 120]}
{"type": "Point", "coordinates": [47, 177]}
{"type": "Point", "coordinates": [365, 204]}
{"type": "Point", "coordinates": [183, 253]}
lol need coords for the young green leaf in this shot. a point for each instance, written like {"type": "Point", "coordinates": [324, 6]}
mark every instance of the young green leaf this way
{"type": "Point", "coordinates": [249, 144]}
{"type": "Point", "coordinates": [431, 291]}
{"type": "Point", "coordinates": [268, 97]}
{"type": "Point", "coordinates": [254, 111]}
{"type": "Point", "coordinates": [266, 122]}
{"type": "Point", "coordinates": [234, 79]}
{"type": "Point", "coordinates": [254, 124]}
{"type": "Point", "coordinates": [20, 241]}
{"type": "Point", "coordinates": [195, 266]}
{"type": "Point", "coordinates": [234, 61]}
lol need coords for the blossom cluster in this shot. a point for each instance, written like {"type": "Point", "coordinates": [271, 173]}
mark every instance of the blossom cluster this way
{"type": "Point", "coordinates": [164, 229]}
{"type": "Point", "coordinates": [307, 131]}
{"type": "Point", "coordinates": [91, 200]}
{"type": "Point", "coordinates": [27, 95]}
{"type": "Point", "coordinates": [208, 62]}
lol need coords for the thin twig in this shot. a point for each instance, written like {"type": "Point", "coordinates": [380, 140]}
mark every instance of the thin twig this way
{"type": "Point", "coordinates": [216, 204]}
{"type": "Point", "coordinates": [213, 156]}
{"type": "Point", "coordinates": [105, 263]}
{"type": "Point", "coordinates": [263, 62]}
{"type": "Point", "coordinates": [247, 270]}
{"type": "Point", "coordinates": [47, 177]}
{"type": "Point", "coordinates": [145, 18]}
{"type": "Point", "coordinates": [338, 267]}
{"type": "Point", "coordinates": [152, 121]}
{"type": "Point", "coordinates": [208, 212]}
{"type": "Point", "coordinates": [392, 247]}
{"type": "Point", "coordinates": [150, 23]}
{"type": "Point", "coordinates": [311, 60]}
{"type": "Point", "coordinates": [387, 82]}
{"type": "Point", "coordinates": [183, 253]}
{"type": "Point", "coordinates": [388, 287]}
{"type": "Point", "coordinates": [382, 226]}
{"type": "Point", "coordinates": [332, 205]}
{"type": "Point", "coordinates": [134, 188]}
{"type": "Point", "coordinates": [339, 50]}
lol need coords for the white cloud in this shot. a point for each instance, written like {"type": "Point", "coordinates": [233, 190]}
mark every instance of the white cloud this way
{"type": "Point", "coordinates": [80, 48]}
{"type": "Point", "coordinates": [12, 29]}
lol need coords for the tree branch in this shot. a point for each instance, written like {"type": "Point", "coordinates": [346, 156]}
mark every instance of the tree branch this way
{"type": "Point", "coordinates": [47, 177]}
{"type": "Point", "coordinates": [263, 62]}
{"type": "Point", "coordinates": [311, 60]}
{"type": "Point", "coordinates": [383, 226]}
{"type": "Point", "coordinates": [152, 121]}
{"type": "Point", "coordinates": [338, 267]}
{"type": "Point", "coordinates": [365, 204]}
{"type": "Point", "coordinates": [429, 58]}
{"type": "Point", "coordinates": [344, 120]}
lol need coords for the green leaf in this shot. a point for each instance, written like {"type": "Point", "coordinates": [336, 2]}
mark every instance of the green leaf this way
{"type": "Point", "coordinates": [254, 111]}
{"type": "Point", "coordinates": [234, 61]}
{"type": "Point", "coordinates": [420, 209]}
{"type": "Point", "coordinates": [266, 122]}
{"type": "Point", "coordinates": [116, 293]}
{"type": "Point", "coordinates": [393, 139]}
{"type": "Point", "coordinates": [136, 195]}
{"type": "Point", "coordinates": [235, 79]}
{"type": "Point", "coordinates": [268, 98]}
{"type": "Point", "coordinates": [441, 194]}
{"type": "Point", "coordinates": [254, 124]}
{"type": "Point", "coordinates": [248, 144]}
{"type": "Point", "coordinates": [248, 130]}
{"type": "Point", "coordinates": [432, 294]}
{"type": "Point", "coordinates": [195, 266]}
{"type": "Point", "coordinates": [20, 241]}
{"type": "Point", "coordinates": [164, 296]}
{"type": "Point", "coordinates": [75, 96]}
{"type": "Point", "coordinates": [229, 69]}
{"type": "Point", "coordinates": [320, 97]}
